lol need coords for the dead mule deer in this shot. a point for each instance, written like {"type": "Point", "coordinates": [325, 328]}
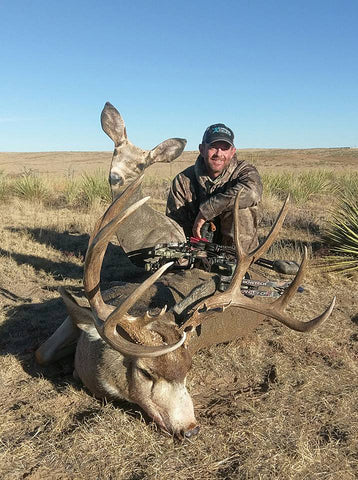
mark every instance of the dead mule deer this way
{"type": "Point", "coordinates": [144, 357]}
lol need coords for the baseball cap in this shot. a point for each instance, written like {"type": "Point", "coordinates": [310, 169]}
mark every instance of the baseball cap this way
{"type": "Point", "coordinates": [218, 132]}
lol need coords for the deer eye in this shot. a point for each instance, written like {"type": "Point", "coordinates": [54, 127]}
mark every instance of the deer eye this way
{"type": "Point", "coordinates": [145, 374]}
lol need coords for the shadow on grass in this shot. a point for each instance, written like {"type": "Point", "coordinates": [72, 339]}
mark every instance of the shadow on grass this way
{"type": "Point", "coordinates": [59, 270]}
{"type": "Point", "coordinates": [65, 242]}
{"type": "Point", "coordinates": [116, 265]}
{"type": "Point", "coordinates": [12, 296]}
{"type": "Point", "coordinates": [26, 326]}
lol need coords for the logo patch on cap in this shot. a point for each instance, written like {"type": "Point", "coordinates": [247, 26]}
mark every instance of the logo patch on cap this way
{"type": "Point", "coordinates": [221, 130]}
{"type": "Point", "coordinates": [218, 132]}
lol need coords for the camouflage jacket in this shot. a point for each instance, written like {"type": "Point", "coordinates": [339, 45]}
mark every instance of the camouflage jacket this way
{"type": "Point", "coordinates": [193, 190]}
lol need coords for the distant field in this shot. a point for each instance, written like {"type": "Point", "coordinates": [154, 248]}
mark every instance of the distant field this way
{"type": "Point", "coordinates": [74, 163]}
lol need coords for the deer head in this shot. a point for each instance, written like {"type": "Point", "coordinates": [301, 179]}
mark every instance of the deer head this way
{"type": "Point", "coordinates": [128, 163]}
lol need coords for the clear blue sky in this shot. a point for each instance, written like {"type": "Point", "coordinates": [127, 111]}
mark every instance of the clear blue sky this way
{"type": "Point", "coordinates": [280, 73]}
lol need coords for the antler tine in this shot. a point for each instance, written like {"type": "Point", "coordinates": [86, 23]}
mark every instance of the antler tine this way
{"type": "Point", "coordinates": [117, 342]}
{"type": "Point", "coordinates": [235, 298]}
{"type": "Point", "coordinates": [109, 333]}
{"type": "Point", "coordinates": [275, 230]}
{"type": "Point", "coordinates": [244, 260]}
{"type": "Point", "coordinates": [94, 259]}
{"type": "Point", "coordinates": [238, 247]}
{"type": "Point", "coordinates": [224, 299]}
{"type": "Point", "coordinates": [94, 255]}
{"type": "Point", "coordinates": [114, 318]}
{"type": "Point", "coordinates": [292, 289]}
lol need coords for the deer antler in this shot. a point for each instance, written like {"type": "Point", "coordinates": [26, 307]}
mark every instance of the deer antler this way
{"type": "Point", "coordinates": [106, 317]}
{"type": "Point", "coordinates": [233, 297]}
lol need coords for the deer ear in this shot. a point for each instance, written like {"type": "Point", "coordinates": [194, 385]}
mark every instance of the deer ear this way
{"type": "Point", "coordinates": [113, 124]}
{"type": "Point", "coordinates": [168, 150]}
{"type": "Point", "coordinates": [80, 316]}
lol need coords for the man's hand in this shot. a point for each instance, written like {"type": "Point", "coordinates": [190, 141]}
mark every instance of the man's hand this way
{"type": "Point", "coordinates": [199, 222]}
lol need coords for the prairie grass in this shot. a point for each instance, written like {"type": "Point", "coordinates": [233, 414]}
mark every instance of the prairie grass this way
{"type": "Point", "coordinates": [277, 405]}
{"type": "Point", "coordinates": [68, 191]}
{"type": "Point", "coordinates": [4, 187]}
{"type": "Point", "coordinates": [301, 186]}
{"type": "Point", "coordinates": [74, 191]}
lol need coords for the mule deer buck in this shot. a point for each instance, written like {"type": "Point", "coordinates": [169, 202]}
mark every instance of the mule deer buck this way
{"type": "Point", "coordinates": [129, 351]}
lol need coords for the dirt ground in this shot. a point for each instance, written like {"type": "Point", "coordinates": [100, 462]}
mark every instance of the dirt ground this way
{"type": "Point", "coordinates": [276, 405]}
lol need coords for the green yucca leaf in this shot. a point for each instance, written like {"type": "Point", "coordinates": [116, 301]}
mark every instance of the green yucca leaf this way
{"type": "Point", "coordinates": [342, 235]}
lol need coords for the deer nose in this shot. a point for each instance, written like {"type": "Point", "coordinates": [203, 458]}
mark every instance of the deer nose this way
{"type": "Point", "coordinates": [192, 432]}
{"type": "Point", "coordinates": [116, 179]}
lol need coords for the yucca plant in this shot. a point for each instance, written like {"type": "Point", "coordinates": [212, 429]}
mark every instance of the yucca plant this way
{"type": "Point", "coordinates": [30, 186]}
{"type": "Point", "coordinates": [342, 236]}
{"type": "Point", "coordinates": [301, 186]}
{"type": "Point", "coordinates": [348, 182]}
{"type": "Point", "coordinates": [277, 184]}
{"type": "Point", "coordinates": [318, 182]}
{"type": "Point", "coordinates": [71, 191]}
{"type": "Point", "coordinates": [94, 187]}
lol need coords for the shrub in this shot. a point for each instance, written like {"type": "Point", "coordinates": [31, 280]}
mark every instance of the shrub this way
{"type": "Point", "coordinates": [300, 186]}
{"type": "Point", "coordinates": [93, 188]}
{"type": "Point", "coordinates": [30, 186]}
{"type": "Point", "coordinates": [348, 183]}
{"type": "Point", "coordinates": [342, 235]}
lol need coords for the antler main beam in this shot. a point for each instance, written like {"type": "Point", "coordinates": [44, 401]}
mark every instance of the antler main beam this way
{"type": "Point", "coordinates": [107, 317]}
{"type": "Point", "coordinates": [233, 297]}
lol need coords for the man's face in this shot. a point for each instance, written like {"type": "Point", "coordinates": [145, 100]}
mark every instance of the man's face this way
{"type": "Point", "coordinates": [217, 156]}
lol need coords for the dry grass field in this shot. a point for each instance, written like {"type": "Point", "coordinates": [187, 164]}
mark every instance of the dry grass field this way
{"type": "Point", "coordinates": [74, 163]}
{"type": "Point", "coordinates": [277, 405]}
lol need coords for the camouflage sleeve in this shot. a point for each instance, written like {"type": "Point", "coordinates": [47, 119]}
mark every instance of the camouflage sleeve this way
{"type": "Point", "coordinates": [180, 205]}
{"type": "Point", "coordinates": [247, 182]}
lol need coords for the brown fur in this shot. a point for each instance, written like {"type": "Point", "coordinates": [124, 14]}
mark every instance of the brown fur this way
{"type": "Point", "coordinates": [128, 162]}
